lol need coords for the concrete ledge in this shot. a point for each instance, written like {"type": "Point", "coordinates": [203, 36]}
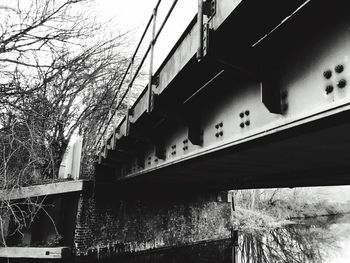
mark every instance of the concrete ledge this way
{"type": "Point", "coordinates": [42, 190]}
{"type": "Point", "coordinates": [34, 252]}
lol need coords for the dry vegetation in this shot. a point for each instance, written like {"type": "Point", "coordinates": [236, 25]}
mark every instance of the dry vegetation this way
{"type": "Point", "coordinates": [284, 225]}
{"type": "Point", "coordinates": [58, 77]}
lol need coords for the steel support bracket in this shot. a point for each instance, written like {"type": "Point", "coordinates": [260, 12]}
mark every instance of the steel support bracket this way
{"type": "Point", "coordinates": [152, 102]}
{"type": "Point", "coordinates": [195, 133]}
{"type": "Point", "coordinates": [141, 161]}
{"type": "Point", "coordinates": [160, 150]}
{"type": "Point", "coordinates": [113, 139]}
{"type": "Point", "coordinates": [209, 8]}
{"type": "Point", "coordinates": [129, 112]}
{"type": "Point", "coordinates": [270, 93]}
{"type": "Point", "coordinates": [204, 46]}
{"type": "Point", "coordinates": [206, 37]}
{"type": "Point", "coordinates": [155, 80]}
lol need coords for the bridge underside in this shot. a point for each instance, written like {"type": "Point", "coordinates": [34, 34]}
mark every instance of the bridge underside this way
{"type": "Point", "coordinates": [255, 112]}
{"type": "Point", "coordinates": [313, 154]}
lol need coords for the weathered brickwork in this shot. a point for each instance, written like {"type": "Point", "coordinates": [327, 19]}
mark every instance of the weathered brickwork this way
{"type": "Point", "coordinates": [109, 227]}
{"type": "Point", "coordinates": [86, 218]}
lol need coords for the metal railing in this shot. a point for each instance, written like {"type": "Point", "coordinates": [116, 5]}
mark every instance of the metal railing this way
{"type": "Point", "coordinates": [129, 68]}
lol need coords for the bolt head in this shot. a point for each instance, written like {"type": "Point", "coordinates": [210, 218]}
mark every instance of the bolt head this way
{"type": "Point", "coordinates": [327, 74]}
{"type": "Point", "coordinates": [341, 83]}
{"type": "Point", "coordinates": [241, 125]}
{"type": "Point", "coordinates": [329, 89]}
{"type": "Point", "coordinates": [339, 68]}
{"type": "Point", "coordinates": [241, 115]}
{"type": "Point", "coordinates": [247, 123]}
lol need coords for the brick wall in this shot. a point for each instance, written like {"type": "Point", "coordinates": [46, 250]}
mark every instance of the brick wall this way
{"type": "Point", "coordinates": [110, 226]}
{"type": "Point", "coordinates": [86, 218]}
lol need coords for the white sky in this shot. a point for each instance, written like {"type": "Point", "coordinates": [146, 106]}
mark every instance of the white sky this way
{"type": "Point", "coordinates": [134, 15]}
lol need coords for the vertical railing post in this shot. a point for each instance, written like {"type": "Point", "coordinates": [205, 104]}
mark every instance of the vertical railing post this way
{"type": "Point", "coordinates": [150, 83]}
{"type": "Point", "coordinates": [127, 126]}
{"type": "Point", "coordinates": [200, 28]}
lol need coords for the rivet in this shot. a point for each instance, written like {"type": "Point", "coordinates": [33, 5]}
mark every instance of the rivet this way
{"type": "Point", "coordinates": [221, 133]}
{"type": "Point", "coordinates": [221, 124]}
{"type": "Point", "coordinates": [241, 115]}
{"type": "Point", "coordinates": [217, 134]}
{"type": "Point", "coordinates": [341, 83]}
{"type": "Point", "coordinates": [329, 89]}
{"type": "Point", "coordinates": [217, 126]}
{"type": "Point", "coordinates": [339, 68]}
{"type": "Point", "coordinates": [242, 125]}
{"type": "Point", "coordinates": [247, 112]}
{"type": "Point", "coordinates": [247, 123]}
{"type": "Point", "coordinates": [327, 74]}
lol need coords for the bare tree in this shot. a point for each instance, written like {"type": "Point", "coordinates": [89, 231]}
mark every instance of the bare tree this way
{"type": "Point", "coordinates": [57, 78]}
{"type": "Point", "coordinates": [293, 243]}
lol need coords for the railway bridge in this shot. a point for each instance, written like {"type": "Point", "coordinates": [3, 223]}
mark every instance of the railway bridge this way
{"type": "Point", "coordinates": [254, 94]}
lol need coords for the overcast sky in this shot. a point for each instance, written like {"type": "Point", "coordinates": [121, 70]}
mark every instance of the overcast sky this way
{"type": "Point", "coordinates": [134, 15]}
